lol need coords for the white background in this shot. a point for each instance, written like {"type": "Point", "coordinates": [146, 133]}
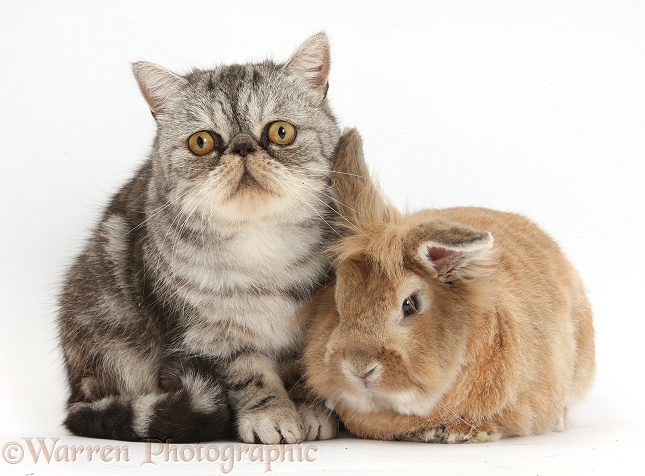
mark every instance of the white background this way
{"type": "Point", "coordinates": [536, 107]}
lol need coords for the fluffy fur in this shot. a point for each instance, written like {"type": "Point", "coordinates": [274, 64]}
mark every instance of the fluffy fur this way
{"type": "Point", "coordinates": [178, 320]}
{"type": "Point", "coordinates": [454, 325]}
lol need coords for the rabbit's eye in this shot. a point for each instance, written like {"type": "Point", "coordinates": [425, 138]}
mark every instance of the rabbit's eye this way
{"type": "Point", "coordinates": [410, 306]}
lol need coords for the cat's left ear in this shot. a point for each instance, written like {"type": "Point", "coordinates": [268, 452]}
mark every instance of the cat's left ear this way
{"type": "Point", "coordinates": [157, 84]}
{"type": "Point", "coordinates": [311, 61]}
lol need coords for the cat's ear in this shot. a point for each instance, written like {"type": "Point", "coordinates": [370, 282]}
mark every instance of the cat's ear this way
{"type": "Point", "coordinates": [311, 62]}
{"type": "Point", "coordinates": [157, 84]}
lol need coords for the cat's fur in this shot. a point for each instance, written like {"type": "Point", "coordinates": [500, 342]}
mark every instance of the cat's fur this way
{"type": "Point", "coordinates": [178, 319]}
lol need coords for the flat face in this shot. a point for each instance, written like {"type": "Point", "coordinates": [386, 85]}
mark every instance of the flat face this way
{"type": "Point", "coordinates": [246, 140]}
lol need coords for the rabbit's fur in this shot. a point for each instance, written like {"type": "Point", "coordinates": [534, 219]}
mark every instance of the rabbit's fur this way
{"type": "Point", "coordinates": [502, 340]}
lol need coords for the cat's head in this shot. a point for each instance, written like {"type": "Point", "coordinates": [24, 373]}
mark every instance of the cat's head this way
{"type": "Point", "coordinates": [242, 142]}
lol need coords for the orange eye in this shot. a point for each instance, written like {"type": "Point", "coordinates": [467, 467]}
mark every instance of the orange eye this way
{"type": "Point", "coordinates": [202, 142]}
{"type": "Point", "coordinates": [281, 133]}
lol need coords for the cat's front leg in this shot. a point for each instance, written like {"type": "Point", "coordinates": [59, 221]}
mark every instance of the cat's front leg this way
{"type": "Point", "coordinates": [265, 413]}
{"type": "Point", "coordinates": [321, 423]}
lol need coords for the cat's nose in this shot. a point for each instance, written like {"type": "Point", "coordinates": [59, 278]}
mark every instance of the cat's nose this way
{"type": "Point", "coordinates": [243, 144]}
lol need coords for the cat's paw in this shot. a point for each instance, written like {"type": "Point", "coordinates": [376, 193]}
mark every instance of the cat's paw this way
{"type": "Point", "coordinates": [272, 426]}
{"type": "Point", "coordinates": [320, 422]}
{"type": "Point", "coordinates": [451, 433]}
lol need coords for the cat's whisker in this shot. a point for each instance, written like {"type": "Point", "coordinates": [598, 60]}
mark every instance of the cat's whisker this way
{"type": "Point", "coordinates": [169, 202]}
{"type": "Point", "coordinates": [212, 206]}
{"type": "Point", "coordinates": [335, 211]}
{"type": "Point", "coordinates": [331, 197]}
{"type": "Point", "coordinates": [324, 173]}
{"type": "Point", "coordinates": [180, 215]}
{"type": "Point", "coordinates": [187, 218]}
{"type": "Point", "coordinates": [309, 205]}
{"type": "Point", "coordinates": [175, 222]}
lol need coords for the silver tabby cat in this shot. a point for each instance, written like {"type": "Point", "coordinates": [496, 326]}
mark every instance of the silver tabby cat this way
{"type": "Point", "coordinates": [178, 320]}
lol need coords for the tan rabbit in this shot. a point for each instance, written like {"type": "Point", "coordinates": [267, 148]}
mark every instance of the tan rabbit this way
{"type": "Point", "coordinates": [463, 324]}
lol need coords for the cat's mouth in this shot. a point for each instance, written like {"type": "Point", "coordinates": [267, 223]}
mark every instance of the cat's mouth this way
{"type": "Point", "coordinates": [247, 179]}
{"type": "Point", "coordinates": [251, 181]}
{"type": "Point", "coordinates": [247, 182]}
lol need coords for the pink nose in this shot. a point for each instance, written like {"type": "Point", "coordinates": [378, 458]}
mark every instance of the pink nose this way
{"type": "Point", "coordinates": [367, 374]}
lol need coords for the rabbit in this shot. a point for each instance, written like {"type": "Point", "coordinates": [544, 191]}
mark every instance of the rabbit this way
{"type": "Point", "coordinates": [445, 325]}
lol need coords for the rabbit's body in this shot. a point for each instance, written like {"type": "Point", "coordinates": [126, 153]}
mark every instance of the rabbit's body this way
{"type": "Point", "coordinates": [447, 325]}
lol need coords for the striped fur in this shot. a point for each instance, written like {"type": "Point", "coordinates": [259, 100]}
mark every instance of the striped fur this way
{"type": "Point", "coordinates": [178, 320]}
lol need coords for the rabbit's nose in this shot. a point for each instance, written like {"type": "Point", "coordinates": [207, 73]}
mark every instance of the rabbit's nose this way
{"type": "Point", "coordinates": [366, 375]}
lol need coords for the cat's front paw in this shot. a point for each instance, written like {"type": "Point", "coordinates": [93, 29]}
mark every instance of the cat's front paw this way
{"type": "Point", "coordinates": [320, 422]}
{"type": "Point", "coordinates": [272, 426]}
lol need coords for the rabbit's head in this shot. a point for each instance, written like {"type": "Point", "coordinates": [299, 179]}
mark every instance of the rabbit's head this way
{"type": "Point", "coordinates": [398, 334]}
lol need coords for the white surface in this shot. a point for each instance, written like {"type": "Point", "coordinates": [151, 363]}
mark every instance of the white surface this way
{"type": "Point", "coordinates": [579, 451]}
{"type": "Point", "coordinates": [534, 106]}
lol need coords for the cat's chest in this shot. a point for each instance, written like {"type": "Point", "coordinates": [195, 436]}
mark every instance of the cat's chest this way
{"type": "Point", "coordinates": [264, 258]}
{"type": "Point", "coordinates": [263, 248]}
{"type": "Point", "coordinates": [225, 329]}
{"type": "Point", "coordinates": [245, 264]}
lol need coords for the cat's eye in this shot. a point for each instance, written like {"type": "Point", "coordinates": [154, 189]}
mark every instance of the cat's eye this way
{"type": "Point", "coordinates": [203, 142]}
{"type": "Point", "coordinates": [410, 306]}
{"type": "Point", "coordinates": [281, 133]}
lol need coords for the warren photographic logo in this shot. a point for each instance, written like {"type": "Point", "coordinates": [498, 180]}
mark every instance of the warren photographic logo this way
{"type": "Point", "coordinates": [155, 452]}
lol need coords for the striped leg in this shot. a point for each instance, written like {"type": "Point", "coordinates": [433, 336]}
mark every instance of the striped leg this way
{"type": "Point", "coordinates": [265, 413]}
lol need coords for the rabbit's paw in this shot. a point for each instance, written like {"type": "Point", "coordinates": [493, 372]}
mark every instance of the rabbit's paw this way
{"type": "Point", "coordinates": [456, 432]}
{"type": "Point", "coordinates": [320, 422]}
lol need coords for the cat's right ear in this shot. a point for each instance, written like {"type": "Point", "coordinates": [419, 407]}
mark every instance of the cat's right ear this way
{"type": "Point", "coordinates": [311, 61]}
{"type": "Point", "coordinates": [157, 84]}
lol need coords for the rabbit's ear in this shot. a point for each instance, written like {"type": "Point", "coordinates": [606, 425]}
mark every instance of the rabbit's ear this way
{"type": "Point", "coordinates": [450, 251]}
{"type": "Point", "coordinates": [358, 198]}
